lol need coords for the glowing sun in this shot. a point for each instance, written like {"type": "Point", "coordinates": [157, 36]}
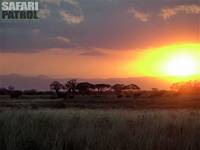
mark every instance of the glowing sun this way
{"type": "Point", "coordinates": [181, 65]}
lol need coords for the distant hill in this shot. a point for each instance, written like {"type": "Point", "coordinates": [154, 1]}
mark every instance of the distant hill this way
{"type": "Point", "coordinates": [42, 82]}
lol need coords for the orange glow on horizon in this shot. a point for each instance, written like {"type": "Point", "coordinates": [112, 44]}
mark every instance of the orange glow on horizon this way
{"type": "Point", "coordinates": [161, 62]}
{"type": "Point", "coordinates": [174, 62]}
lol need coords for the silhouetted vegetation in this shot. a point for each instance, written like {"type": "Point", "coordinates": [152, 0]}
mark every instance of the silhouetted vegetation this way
{"type": "Point", "coordinates": [56, 86]}
{"type": "Point", "coordinates": [88, 95]}
{"type": "Point", "coordinates": [187, 87]}
{"type": "Point", "coordinates": [70, 86]}
{"type": "Point", "coordinates": [4, 91]}
{"type": "Point", "coordinates": [102, 87]}
{"type": "Point", "coordinates": [85, 88]}
{"type": "Point", "coordinates": [30, 92]}
{"type": "Point", "coordinates": [15, 94]}
{"type": "Point", "coordinates": [118, 88]}
{"type": "Point", "coordinates": [42, 126]}
{"type": "Point", "coordinates": [73, 88]}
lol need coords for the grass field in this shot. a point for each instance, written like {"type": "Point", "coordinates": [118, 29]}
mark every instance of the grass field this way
{"type": "Point", "coordinates": [149, 100]}
{"type": "Point", "coordinates": [75, 129]}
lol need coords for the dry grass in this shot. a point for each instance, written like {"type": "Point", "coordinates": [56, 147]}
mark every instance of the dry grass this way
{"type": "Point", "coordinates": [147, 100]}
{"type": "Point", "coordinates": [100, 130]}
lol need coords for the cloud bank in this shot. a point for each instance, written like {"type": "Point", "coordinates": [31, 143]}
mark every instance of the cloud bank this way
{"type": "Point", "coordinates": [104, 24]}
{"type": "Point", "coordinates": [167, 13]}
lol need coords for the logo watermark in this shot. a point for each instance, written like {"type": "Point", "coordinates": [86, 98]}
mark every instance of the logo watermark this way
{"type": "Point", "coordinates": [19, 10]}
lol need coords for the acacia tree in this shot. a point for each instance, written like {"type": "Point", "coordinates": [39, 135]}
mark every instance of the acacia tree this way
{"type": "Point", "coordinates": [84, 87]}
{"type": "Point", "coordinates": [101, 87]}
{"type": "Point", "coordinates": [70, 86]}
{"type": "Point", "coordinates": [121, 89]}
{"type": "Point", "coordinates": [118, 88]}
{"type": "Point", "coordinates": [132, 87]}
{"type": "Point", "coordinates": [56, 86]}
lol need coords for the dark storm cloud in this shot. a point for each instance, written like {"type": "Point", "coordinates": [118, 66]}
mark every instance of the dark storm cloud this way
{"type": "Point", "coordinates": [113, 24]}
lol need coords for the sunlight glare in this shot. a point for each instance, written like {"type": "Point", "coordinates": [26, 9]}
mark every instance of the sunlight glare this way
{"type": "Point", "coordinates": [183, 65]}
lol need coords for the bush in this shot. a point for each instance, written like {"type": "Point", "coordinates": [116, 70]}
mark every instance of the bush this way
{"type": "Point", "coordinates": [15, 94]}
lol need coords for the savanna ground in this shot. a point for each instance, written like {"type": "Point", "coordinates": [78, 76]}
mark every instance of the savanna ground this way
{"type": "Point", "coordinates": [142, 100]}
{"type": "Point", "coordinates": [100, 130]}
{"type": "Point", "coordinates": [145, 122]}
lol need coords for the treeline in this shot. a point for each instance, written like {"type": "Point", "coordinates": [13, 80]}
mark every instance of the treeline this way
{"type": "Point", "coordinates": [14, 93]}
{"type": "Point", "coordinates": [187, 87]}
{"type": "Point", "coordinates": [72, 88]}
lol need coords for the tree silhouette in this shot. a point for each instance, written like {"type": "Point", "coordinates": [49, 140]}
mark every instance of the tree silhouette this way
{"type": "Point", "coordinates": [132, 87]}
{"type": "Point", "coordinates": [121, 89]}
{"type": "Point", "coordinates": [70, 86]}
{"type": "Point", "coordinates": [186, 87]}
{"type": "Point", "coordinates": [14, 93]}
{"type": "Point", "coordinates": [101, 87]}
{"type": "Point", "coordinates": [118, 88]}
{"type": "Point", "coordinates": [84, 87]}
{"type": "Point", "coordinates": [56, 86]}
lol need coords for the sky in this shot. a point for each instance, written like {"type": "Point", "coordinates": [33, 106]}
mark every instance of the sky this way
{"type": "Point", "coordinates": [100, 38]}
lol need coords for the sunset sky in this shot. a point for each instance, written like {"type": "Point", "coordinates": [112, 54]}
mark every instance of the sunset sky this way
{"type": "Point", "coordinates": [105, 38]}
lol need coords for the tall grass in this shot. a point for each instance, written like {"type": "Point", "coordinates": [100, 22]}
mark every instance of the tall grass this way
{"type": "Point", "coordinates": [99, 130]}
